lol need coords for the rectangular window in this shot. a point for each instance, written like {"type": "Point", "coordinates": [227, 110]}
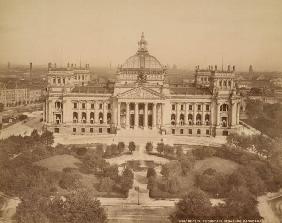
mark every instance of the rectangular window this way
{"type": "Point", "coordinates": [92, 106]}
{"type": "Point", "coordinates": [182, 107]}
{"type": "Point", "coordinates": [83, 130]}
{"type": "Point", "coordinates": [100, 130]}
{"type": "Point", "coordinates": [190, 107]}
{"type": "Point", "coordinates": [173, 131]}
{"type": "Point", "coordinates": [59, 80]}
{"type": "Point", "coordinates": [190, 131]}
{"type": "Point", "coordinates": [57, 130]}
{"type": "Point", "coordinates": [54, 81]}
{"type": "Point", "coordinates": [181, 131]}
{"type": "Point", "coordinates": [173, 107]}
{"type": "Point", "coordinates": [74, 130]}
{"type": "Point", "coordinates": [207, 107]}
{"type": "Point", "coordinates": [108, 130]}
{"type": "Point", "coordinates": [100, 106]}
{"type": "Point", "coordinates": [207, 132]}
{"type": "Point", "coordinates": [74, 105]}
{"type": "Point", "coordinates": [91, 130]}
{"type": "Point", "coordinates": [199, 107]}
{"type": "Point", "coordinates": [109, 106]}
{"type": "Point", "coordinates": [83, 105]}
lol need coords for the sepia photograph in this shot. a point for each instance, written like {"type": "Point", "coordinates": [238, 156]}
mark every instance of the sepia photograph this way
{"type": "Point", "coordinates": [140, 111]}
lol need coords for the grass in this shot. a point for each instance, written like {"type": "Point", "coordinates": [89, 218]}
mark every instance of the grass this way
{"type": "Point", "coordinates": [220, 165]}
{"type": "Point", "coordinates": [59, 162]}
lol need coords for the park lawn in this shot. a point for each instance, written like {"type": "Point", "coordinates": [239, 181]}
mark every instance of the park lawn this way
{"type": "Point", "coordinates": [59, 162]}
{"type": "Point", "coordinates": [220, 165]}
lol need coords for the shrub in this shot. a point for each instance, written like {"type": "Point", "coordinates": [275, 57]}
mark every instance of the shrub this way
{"type": "Point", "coordinates": [149, 147]}
{"type": "Point", "coordinates": [203, 153]}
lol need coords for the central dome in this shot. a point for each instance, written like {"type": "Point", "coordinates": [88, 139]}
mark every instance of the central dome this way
{"type": "Point", "coordinates": [142, 59]}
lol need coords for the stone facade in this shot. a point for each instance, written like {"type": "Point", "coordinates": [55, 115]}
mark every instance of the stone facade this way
{"type": "Point", "coordinates": [142, 98]}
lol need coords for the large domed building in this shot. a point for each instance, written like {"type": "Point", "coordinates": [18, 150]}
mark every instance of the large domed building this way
{"type": "Point", "coordinates": [141, 98]}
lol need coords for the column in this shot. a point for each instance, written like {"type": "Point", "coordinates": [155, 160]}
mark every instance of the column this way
{"type": "Point", "coordinates": [154, 115]}
{"type": "Point", "coordinates": [218, 114]}
{"type": "Point", "coordinates": [186, 115]}
{"type": "Point", "coordinates": [145, 115]}
{"type": "Point", "coordinates": [176, 114]}
{"type": "Point", "coordinates": [194, 113]}
{"type": "Point", "coordinates": [105, 113]}
{"type": "Point", "coordinates": [203, 115]}
{"type": "Point", "coordinates": [233, 114]}
{"type": "Point", "coordinates": [118, 115]}
{"type": "Point", "coordinates": [238, 113]}
{"type": "Point", "coordinates": [136, 115]}
{"type": "Point", "coordinates": [96, 113]}
{"type": "Point", "coordinates": [162, 114]}
{"type": "Point", "coordinates": [127, 115]}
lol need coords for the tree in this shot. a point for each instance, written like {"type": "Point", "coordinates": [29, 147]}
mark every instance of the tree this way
{"type": "Point", "coordinates": [100, 150]}
{"type": "Point", "coordinates": [173, 168]}
{"type": "Point", "coordinates": [160, 147]}
{"type": "Point", "coordinates": [179, 152]}
{"type": "Point", "coordinates": [121, 147]}
{"type": "Point", "coordinates": [108, 151]}
{"type": "Point", "coordinates": [168, 150]}
{"type": "Point", "coordinates": [151, 172]}
{"type": "Point", "coordinates": [240, 204]}
{"type": "Point", "coordinates": [131, 146]}
{"type": "Point", "coordinates": [194, 205]}
{"type": "Point", "coordinates": [106, 184]}
{"type": "Point", "coordinates": [149, 147]}
{"type": "Point", "coordinates": [76, 207]}
{"type": "Point", "coordinates": [126, 179]}
{"type": "Point", "coordinates": [1, 107]}
{"type": "Point", "coordinates": [47, 138]}
{"type": "Point", "coordinates": [111, 171]}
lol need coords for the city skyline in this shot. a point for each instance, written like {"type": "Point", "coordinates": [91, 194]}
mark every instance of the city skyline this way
{"type": "Point", "coordinates": [185, 33]}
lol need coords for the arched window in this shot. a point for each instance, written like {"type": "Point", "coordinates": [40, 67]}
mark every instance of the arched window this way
{"type": "Point", "coordinates": [101, 118]}
{"type": "Point", "coordinates": [229, 83]}
{"type": "Point", "coordinates": [190, 119]}
{"type": "Point", "coordinates": [224, 83]}
{"type": "Point", "coordinates": [224, 107]}
{"type": "Point", "coordinates": [109, 118]}
{"type": "Point", "coordinates": [172, 119]}
{"type": "Point", "coordinates": [181, 117]}
{"type": "Point", "coordinates": [58, 105]}
{"type": "Point", "coordinates": [91, 117]}
{"type": "Point", "coordinates": [83, 117]}
{"type": "Point", "coordinates": [74, 117]}
{"type": "Point", "coordinates": [207, 119]}
{"type": "Point", "coordinates": [220, 83]}
{"type": "Point", "coordinates": [198, 119]}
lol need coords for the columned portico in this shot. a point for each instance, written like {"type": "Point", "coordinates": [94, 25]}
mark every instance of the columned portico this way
{"type": "Point", "coordinates": [137, 114]}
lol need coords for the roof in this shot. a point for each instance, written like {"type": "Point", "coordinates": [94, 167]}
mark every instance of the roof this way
{"type": "Point", "coordinates": [188, 89]}
{"type": "Point", "coordinates": [98, 89]}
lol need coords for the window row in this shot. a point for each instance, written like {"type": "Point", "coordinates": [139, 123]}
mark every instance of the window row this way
{"type": "Point", "coordinates": [190, 107]}
{"type": "Point", "coordinates": [190, 131]}
{"type": "Point", "coordinates": [190, 119]}
{"type": "Point", "coordinates": [92, 105]}
{"type": "Point", "coordinates": [91, 117]}
{"type": "Point", "coordinates": [225, 83]}
{"type": "Point", "coordinates": [91, 130]}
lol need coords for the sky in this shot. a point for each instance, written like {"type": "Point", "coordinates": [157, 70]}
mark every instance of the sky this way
{"type": "Point", "coordinates": [182, 32]}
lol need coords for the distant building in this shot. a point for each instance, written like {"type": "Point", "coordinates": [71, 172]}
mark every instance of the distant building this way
{"type": "Point", "coordinates": [141, 98]}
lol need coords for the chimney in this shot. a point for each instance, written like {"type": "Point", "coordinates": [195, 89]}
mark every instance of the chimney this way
{"type": "Point", "coordinates": [55, 65]}
{"type": "Point", "coordinates": [30, 69]}
{"type": "Point", "coordinates": [68, 65]}
{"type": "Point", "coordinates": [233, 68]}
{"type": "Point", "coordinates": [215, 67]}
{"type": "Point", "coordinates": [228, 68]}
{"type": "Point", "coordinates": [72, 65]}
{"type": "Point", "coordinates": [211, 67]}
{"type": "Point", "coordinates": [49, 66]}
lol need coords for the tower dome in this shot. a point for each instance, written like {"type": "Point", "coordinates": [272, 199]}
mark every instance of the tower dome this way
{"type": "Point", "coordinates": [142, 59]}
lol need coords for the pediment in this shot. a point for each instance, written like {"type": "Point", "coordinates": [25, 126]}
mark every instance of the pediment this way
{"type": "Point", "coordinates": [140, 93]}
